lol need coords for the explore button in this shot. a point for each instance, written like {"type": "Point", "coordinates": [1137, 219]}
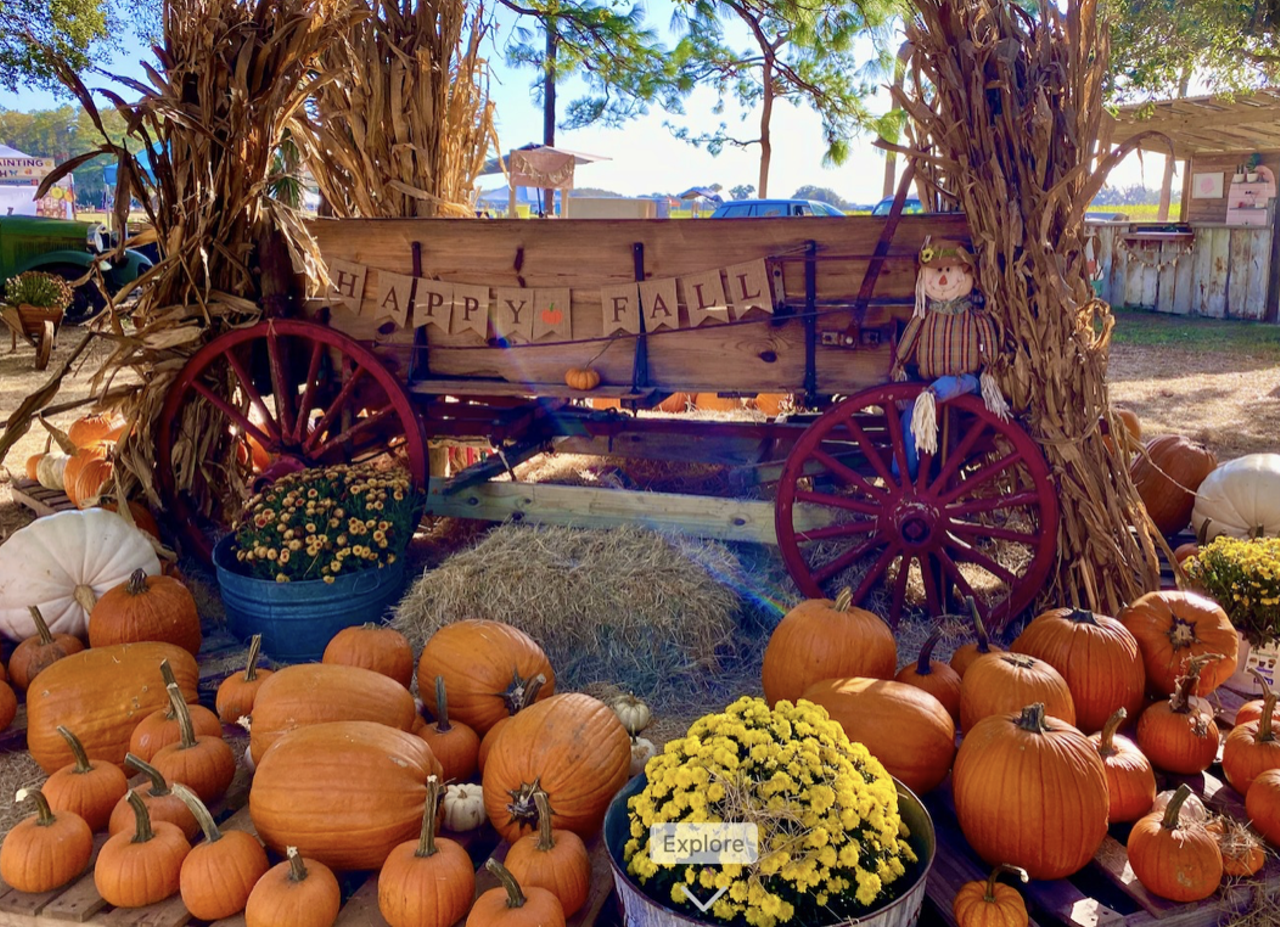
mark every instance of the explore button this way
{"type": "Point", "coordinates": [704, 844]}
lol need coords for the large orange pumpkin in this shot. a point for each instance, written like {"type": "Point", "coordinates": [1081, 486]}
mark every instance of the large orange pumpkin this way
{"type": "Point", "coordinates": [101, 693]}
{"type": "Point", "coordinates": [344, 793]}
{"type": "Point", "coordinates": [92, 429]}
{"type": "Point", "coordinates": [1131, 782]}
{"type": "Point", "coordinates": [905, 728]}
{"type": "Point", "coordinates": [1173, 627]}
{"type": "Point", "coordinates": [571, 746]}
{"type": "Point", "coordinates": [82, 457]}
{"type": "Point", "coordinates": [146, 608]}
{"type": "Point", "coordinates": [1096, 655]}
{"type": "Point", "coordinates": [314, 693]}
{"type": "Point", "coordinates": [676, 402]}
{"type": "Point", "coordinates": [486, 666]}
{"type": "Point", "coordinates": [1003, 682]}
{"type": "Point", "coordinates": [1031, 791]}
{"type": "Point", "coordinates": [1167, 477]}
{"type": "Point", "coordinates": [820, 639]}
{"type": "Point", "coordinates": [90, 481]}
{"type": "Point", "coordinates": [376, 647]}
{"type": "Point", "coordinates": [713, 402]}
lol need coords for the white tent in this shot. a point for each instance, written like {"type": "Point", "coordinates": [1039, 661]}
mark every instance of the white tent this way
{"type": "Point", "coordinates": [19, 173]}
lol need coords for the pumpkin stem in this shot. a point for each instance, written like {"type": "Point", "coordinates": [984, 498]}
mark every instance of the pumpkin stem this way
{"type": "Point", "coordinates": [77, 750]}
{"type": "Point", "coordinates": [523, 692]}
{"type": "Point", "coordinates": [1082, 616]}
{"type": "Point", "coordinates": [44, 814]}
{"type": "Point", "coordinates": [926, 654]}
{"type": "Point", "coordinates": [137, 583]}
{"type": "Point", "coordinates": [1032, 719]}
{"type": "Point", "coordinates": [1180, 701]}
{"type": "Point", "coordinates": [442, 708]}
{"type": "Point", "coordinates": [989, 895]}
{"type": "Point", "coordinates": [185, 727]}
{"type": "Point", "coordinates": [42, 627]}
{"type": "Point", "coordinates": [297, 868]}
{"type": "Point", "coordinates": [200, 811]}
{"type": "Point", "coordinates": [515, 897]}
{"type": "Point", "coordinates": [1106, 746]}
{"type": "Point", "coordinates": [427, 838]}
{"type": "Point", "coordinates": [85, 597]}
{"type": "Point", "coordinates": [1266, 733]}
{"type": "Point", "coordinates": [251, 665]}
{"type": "Point", "coordinates": [844, 599]}
{"type": "Point", "coordinates": [979, 629]}
{"type": "Point", "coordinates": [166, 673]}
{"type": "Point", "coordinates": [143, 833]}
{"type": "Point", "coordinates": [1174, 808]}
{"type": "Point", "coordinates": [546, 838]}
{"type": "Point", "coordinates": [159, 788]}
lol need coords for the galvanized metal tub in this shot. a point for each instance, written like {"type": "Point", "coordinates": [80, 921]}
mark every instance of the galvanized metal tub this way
{"type": "Point", "coordinates": [639, 910]}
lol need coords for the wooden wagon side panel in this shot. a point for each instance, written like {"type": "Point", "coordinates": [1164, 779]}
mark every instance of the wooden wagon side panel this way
{"type": "Point", "coordinates": [587, 255]}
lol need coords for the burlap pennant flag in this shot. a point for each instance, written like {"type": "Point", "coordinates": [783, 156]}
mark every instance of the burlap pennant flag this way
{"type": "Point", "coordinates": [395, 298]}
{"type": "Point", "coordinates": [513, 314]}
{"type": "Point", "coordinates": [551, 313]}
{"type": "Point", "coordinates": [620, 306]}
{"type": "Point", "coordinates": [749, 288]}
{"type": "Point", "coordinates": [470, 309]}
{"type": "Point", "coordinates": [346, 283]}
{"type": "Point", "coordinates": [704, 298]}
{"type": "Point", "coordinates": [660, 303]}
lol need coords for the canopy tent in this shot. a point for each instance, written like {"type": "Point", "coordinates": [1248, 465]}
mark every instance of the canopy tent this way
{"type": "Point", "coordinates": [1199, 125]}
{"type": "Point", "coordinates": [539, 167]}
{"type": "Point", "coordinates": [499, 198]}
{"type": "Point", "coordinates": [705, 193]}
{"type": "Point", "coordinates": [20, 174]}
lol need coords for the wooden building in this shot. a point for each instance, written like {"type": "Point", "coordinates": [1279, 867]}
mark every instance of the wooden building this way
{"type": "Point", "coordinates": [1221, 256]}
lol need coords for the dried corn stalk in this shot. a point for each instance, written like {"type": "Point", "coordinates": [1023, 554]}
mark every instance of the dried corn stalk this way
{"type": "Point", "coordinates": [1008, 130]}
{"type": "Point", "coordinates": [234, 76]}
{"type": "Point", "coordinates": [406, 131]}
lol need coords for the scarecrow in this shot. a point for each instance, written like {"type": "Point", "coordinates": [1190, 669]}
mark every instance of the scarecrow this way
{"type": "Point", "coordinates": [951, 339]}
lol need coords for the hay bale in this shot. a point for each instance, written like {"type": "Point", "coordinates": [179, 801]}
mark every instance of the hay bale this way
{"type": "Point", "coordinates": [650, 613]}
{"type": "Point", "coordinates": [17, 771]}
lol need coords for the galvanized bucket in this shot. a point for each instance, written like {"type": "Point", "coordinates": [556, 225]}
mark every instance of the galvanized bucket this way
{"type": "Point", "coordinates": [639, 910]}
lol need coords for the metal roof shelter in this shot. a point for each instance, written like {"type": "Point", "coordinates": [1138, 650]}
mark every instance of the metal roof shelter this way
{"type": "Point", "coordinates": [1201, 125]}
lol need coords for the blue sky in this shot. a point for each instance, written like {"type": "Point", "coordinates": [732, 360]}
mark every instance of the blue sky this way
{"type": "Point", "coordinates": [644, 157]}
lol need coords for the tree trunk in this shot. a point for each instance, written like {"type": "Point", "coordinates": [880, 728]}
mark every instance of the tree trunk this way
{"type": "Point", "coordinates": [766, 113]}
{"type": "Point", "coordinates": [891, 158]}
{"type": "Point", "coordinates": [1166, 186]}
{"type": "Point", "coordinates": [549, 103]}
{"type": "Point", "coordinates": [1032, 92]}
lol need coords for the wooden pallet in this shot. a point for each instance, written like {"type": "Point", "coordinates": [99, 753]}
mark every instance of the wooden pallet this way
{"type": "Point", "coordinates": [1106, 893]}
{"type": "Point", "coordinates": [79, 901]}
{"type": "Point", "coordinates": [40, 500]}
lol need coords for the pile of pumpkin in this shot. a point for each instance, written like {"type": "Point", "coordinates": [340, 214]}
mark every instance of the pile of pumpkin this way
{"type": "Point", "coordinates": [344, 735]}
{"type": "Point", "coordinates": [1180, 482]}
{"type": "Point", "coordinates": [1032, 789]}
{"type": "Point", "coordinates": [771, 404]}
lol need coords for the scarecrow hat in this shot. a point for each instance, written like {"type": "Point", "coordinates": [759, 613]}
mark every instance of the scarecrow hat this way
{"type": "Point", "coordinates": [945, 249]}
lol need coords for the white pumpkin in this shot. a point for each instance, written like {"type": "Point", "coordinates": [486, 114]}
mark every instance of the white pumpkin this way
{"type": "Point", "coordinates": [62, 564]}
{"type": "Point", "coordinates": [50, 470]}
{"type": "Point", "coordinates": [463, 808]}
{"type": "Point", "coordinates": [1240, 499]}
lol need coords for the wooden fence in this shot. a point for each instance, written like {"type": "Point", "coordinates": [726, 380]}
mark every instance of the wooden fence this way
{"type": "Point", "coordinates": [1220, 271]}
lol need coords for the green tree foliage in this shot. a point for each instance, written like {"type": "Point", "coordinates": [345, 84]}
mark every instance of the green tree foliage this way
{"type": "Point", "coordinates": [800, 51]}
{"type": "Point", "coordinates": [822, 195]}
{"type": "Point", "coordinates": [63, 132]}
{"type": "Point", "coordinates": [78, 30]}
{"type": "Point", "coordinates": [607, 45]}
{"type": "Point", "coordinates": [1232, 46]}
{"type": "Point", "coordinates": [742, 191]}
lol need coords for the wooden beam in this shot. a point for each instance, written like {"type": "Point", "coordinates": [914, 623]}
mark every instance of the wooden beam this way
{"type": "Point", "coordinates": [589, 507]}
{"type": "Point", "coordinates": [1271, 313]}
{"type": "Point", "coordinates": [1186, 190]}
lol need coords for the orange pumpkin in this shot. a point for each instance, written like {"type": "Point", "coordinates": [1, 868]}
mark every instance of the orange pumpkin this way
{"type": "Point", "coordinates": [1096, 655]}
{"type": "Point", "coordinates": [713, 402]}
{"type": "Point", "coordinates": [582, 378]}
{"type": "Point", "coordinates": [81, 458]}
{"type": "Point", "coordinates": [556, 860]}
{"type": "Point", "coordinates": [142, 867]}
{"type": "Point", "coordinates": [821, 639]}
{"type": "Point", "coordinates": [1131, 782]}
{"type": "Point", "coordinates": [162, 804]}
{"type": "Point", "coordinates": [1262, 803]}
{"type": "Point", "coordinates": [574, 748]}
{"type": "Point", "coordinates": [92, 429]}
{"type": "Point", "coordinates": [44, 851]}
{"type": "Point", "coordinates": [298, 892]}
{"type": "Point", "coordinates": [455, 745]}
{"type": "Point", "coordinates": [375, 647]}
{"type": "Point", "coordinates": [771, 404]}
{"type": "Point", "coordinates": [146, 608]}
{"type": "Point", "coordinates": [934, 677]}
{"type": "Point", "coordinates": [84, 787]}
{"type": "Point", "coordinates": [1031, 790]}
{"type": "Point", "coordinates": [37, 653]}
{"type": "Point", "coordinates": [1252, 748]}
{"type": "Point", "coordinates": [428, 882]}
{"type": "Point", "coordinates": [205, 764]}
{"type": "Point", "coordinates": [1167, 477]}
{"type": "Point", "coordinates": [161, 727]}
{"type": "Point", "coordinates": [1174, 860]}
{"type": "Point", "coordinates": [676, 402]}
{"type": "Point", "coordinates": [1001, 682]}
{"type": "Point", "coordinates": [906, 728]}
{"type": "Point", "coordinates": [990, 904]}
{"type": "Point", "coordinates": [487, 665]}
{"type": "Point", "coordinates": [218, 874]}
{"type": "Point", "coordinates": [1242, 853]}
{"type": "Point", "coordinates": [1179, 735]}
{"type": "Point", "coordinates": [89, 482]}
{"type": "Point", "coordinates": [237, 692]}
{"type": "Point", "coordinates": [980, 646]}
{"type": "Point", "coordinates": [8, 705]}
{"type": "Point", "coordinates": [514, 906]}
{"type": "Point", "coordinates": [1173, 627]}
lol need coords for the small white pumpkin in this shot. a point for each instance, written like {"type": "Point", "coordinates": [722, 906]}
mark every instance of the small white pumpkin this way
{"type": "Point", "coordinates": [633, 713]}
{"type": "Point", "coordinates": [1240, 499]}
{"type": "Point", "coordinates": [50, 470]}
{"type": "Point", "coordinates": [62, 564]}
{"type": "Point", "coordinates": [463, 808]}
{"type": "Point", "coordinates": [642, 751]}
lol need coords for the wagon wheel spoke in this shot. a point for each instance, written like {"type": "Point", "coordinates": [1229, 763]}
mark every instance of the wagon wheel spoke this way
{"type": "Point", "coordinates": [977, 558]}
{"type": "Point", "coordinates": [990, 531]}
{"type": "Point", "coordinates": [988, 472]}
{"type": "Point", "coordinates": [961, 581]}
{"type": "Point", "coordinates": [900, 590]}
{"type": "Point", "coordinates": [348, 436]}
{"type": "Point", "coordinates": [876, 573]}
{"type": "Point", "coordinates": [932, 581]}
{"type": "Point", "coordinates": [232, 413]}
{"type": "Point", "coordinates": [310, 389]}
{"type": "Point", "coordinates": [871, 452]}
{"type": "Point", "coordinates": [1017, 500]}
{"type": "Point", "coordinates": [839, 502]}
{"type": "Point", "coordinates": [339, 402]}
{"type": "Point", "coordinates": [249, 391]}
{"type": "Point", "coordinates": [845, 560]}
{"type": "Point", "coordinates": [847, 475]}
{"type": "Point", "coordinates": [285, 392]}
{"type": "Point", "coordinates": [843, 530]}
{"type": "Point", "coordinates": [897, 442]}
{"type": "Point", "coordinates": [957, 455]}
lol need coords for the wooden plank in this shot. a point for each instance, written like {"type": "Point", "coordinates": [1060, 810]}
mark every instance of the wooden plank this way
{"type": "Point", "coordinates": [1166, 286]}
{"type": "Point", "coordinates": [1238, 274]}
{"type": "Point", "coordinates": [168, 913]}
{"type": "Point", "coordinates": [1184, 278]}
{"type": "Point", "coordinates": [361, 909]}
{"type": "Point", "coordinates": [483, 387]}
{"type": "Point", "coordinates": [77, 904]}
{"type": "Point", "coordinates": [725, 449]}
{"type": "Point", "coordinates": [1135, 268]}
{"type": "Point", "coordinates": [1255, 299]}
{"type": "Point", "coordinates": [1119, 266]}
{"type": "Point", "coordinates": [1151, 277]}
{"type": "Point", "coordinates": [1203, 264]}
{"type": "Point", "coordinates": [599, 889]}
{"type": "Point", "coordinates": [1219, 272]}
{"type": "Point", "coordinates": [588, 507]}
{"type": "Point", "coordinates": [42, 501]}
{"type": "Point", "coordinates": [26, 904]}
{"type": "Point", "coordinates": [1113, 861]}
{"type": "Point", "coordinates": [1105, 242]}
{"type": "Point", "coordinates": [1272, 312]}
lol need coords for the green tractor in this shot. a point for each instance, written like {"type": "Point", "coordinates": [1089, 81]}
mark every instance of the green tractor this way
{"type": "Point", "coordinates": [68, 249]}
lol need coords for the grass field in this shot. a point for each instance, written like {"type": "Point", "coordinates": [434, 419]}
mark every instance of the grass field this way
{"type": "Point", "coordinates": [1141, 328]}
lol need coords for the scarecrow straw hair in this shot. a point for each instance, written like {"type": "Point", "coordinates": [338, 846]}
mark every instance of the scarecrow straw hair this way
{"type": "Point", "coordinates": [648, 612]}
{"type": "Point", "coordinates": [1006, 109]}
{"type": "Point", "coordinates": [406, 131]}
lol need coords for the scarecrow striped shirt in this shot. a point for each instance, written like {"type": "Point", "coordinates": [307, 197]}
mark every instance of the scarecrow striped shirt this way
{"type": "Point", "coordinates": [948, 342]}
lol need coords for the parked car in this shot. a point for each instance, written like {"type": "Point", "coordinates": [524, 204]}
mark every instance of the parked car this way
{"type": "Point", "coordinates": [67, 248]}
{"type": "Point", "coordinates": [754, 209]}
{"type": "Point", "coordinates": [912, 207]}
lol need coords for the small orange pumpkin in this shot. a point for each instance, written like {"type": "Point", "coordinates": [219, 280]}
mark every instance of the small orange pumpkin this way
{"type": "Point", "coordinates": [582, 378]}
{"type": "Point", "coordinates": [299, 892]}
{"type": "Point", "coordinates": [146, 608]}
{"type": "Point", "coordinates": [142, 867]}
{"type": "Point", "coordinates": [1131, 782]}
{"type": "Point", "coordinates": [1252, 748]}
{"type": "Point", "coordinates": [990, 904]}
{"type": "Point", "coordinates": [87, 788]}
{"type": "Point", "coordinates": [373, 646]}
{"type": "Point", "coordinates": [36, 654]}
{"type": "Point", "coordinates": [92, 429]}
{"type": "Point", "coordinates": [1174, 860]}
{"type": "Point", "coordinates": [428, 882]}
{"type": "Point", "coordinates": [1180, 735]}
{"type": "Point", "coordinates": [980, 646]}
{"type": "Point", "coordinates": [1262, 803]}
{"type": "Point", "coordinates": [556, 860]}
{"type": "Point", "coordinates": [219, 873]}
{"type": "Point", "coordinates": [935, 677]}
{"type": "Point", "coordinates": [206, 764]}
{"type": "Point", "coordinates": [236, 693]}
{"type": "Point", "coordinates": [513, 905]}
{"type": "Point", "coordinates": [455, 744]}
{"type": "Point", "coordinates": [45, 851]}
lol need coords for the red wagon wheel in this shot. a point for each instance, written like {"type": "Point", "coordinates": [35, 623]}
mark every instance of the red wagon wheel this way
{"type": "Point", "coordinates": [290, 394]}
{"type": "Point", "coordinates": [980, 517]}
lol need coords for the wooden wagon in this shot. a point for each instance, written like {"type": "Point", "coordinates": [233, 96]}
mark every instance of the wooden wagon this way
{"type": "Point", "coordinates": [805, 306]}
{"type": "Point", "coordinates": [35, 324]}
